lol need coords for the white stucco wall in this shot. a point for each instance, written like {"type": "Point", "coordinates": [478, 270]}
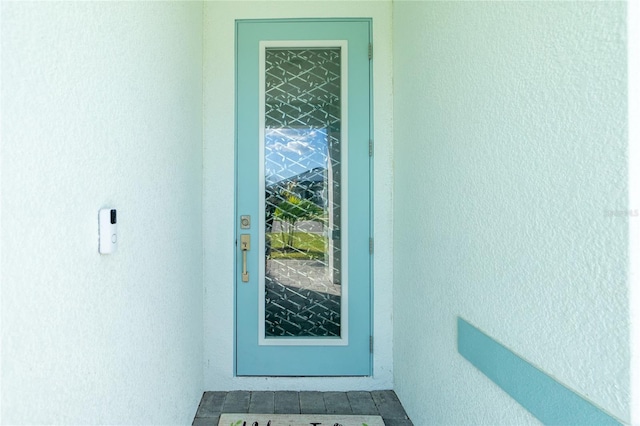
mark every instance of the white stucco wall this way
{"type": "Point", "coordinates": [101, 107]}
{"type": "Point", "coordinates": [510, 155]}
{"type": "Point", "coordinates": [219, 29]}
{"type": "Point", "coordinates": [633, 74]}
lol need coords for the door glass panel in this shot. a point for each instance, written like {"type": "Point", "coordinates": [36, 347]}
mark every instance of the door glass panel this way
{"type": "Point", "coordinates": [302, 165]}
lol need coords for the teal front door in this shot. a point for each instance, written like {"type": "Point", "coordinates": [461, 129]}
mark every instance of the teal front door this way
{"type": "Point", "coordinates": [303, 200]}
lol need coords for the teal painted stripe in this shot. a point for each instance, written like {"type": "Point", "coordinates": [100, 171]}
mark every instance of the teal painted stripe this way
{"type": "Point", "coordinates": [551, 402]}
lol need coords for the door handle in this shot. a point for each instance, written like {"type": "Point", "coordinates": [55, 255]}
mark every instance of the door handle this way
{"type": "Point", "coordinates": [245, 246]}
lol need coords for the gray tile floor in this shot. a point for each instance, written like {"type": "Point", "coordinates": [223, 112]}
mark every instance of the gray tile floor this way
{"type": "Point", "coordinates": [383, 403]}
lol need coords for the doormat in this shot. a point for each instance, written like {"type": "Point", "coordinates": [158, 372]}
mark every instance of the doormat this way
{"type": "Point", "coordinates": [231, 419]}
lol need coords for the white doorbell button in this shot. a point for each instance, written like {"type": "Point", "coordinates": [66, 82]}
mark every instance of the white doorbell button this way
{"type": "Point", "coordinates": [108, 231]}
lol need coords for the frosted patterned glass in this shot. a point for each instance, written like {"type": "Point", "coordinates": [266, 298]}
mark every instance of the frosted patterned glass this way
{"type": "Point", "coordinates": [302, 192]}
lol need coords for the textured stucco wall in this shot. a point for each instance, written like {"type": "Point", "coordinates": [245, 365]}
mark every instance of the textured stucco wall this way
{"type": "Point", "coordinates": [219, 195]}
{"type": "Point", "coordinates": [510, 157]}
{"type": "Point", "coordinates": [633, 75]}
{"type": "Point", "coordinates": [101, 106]}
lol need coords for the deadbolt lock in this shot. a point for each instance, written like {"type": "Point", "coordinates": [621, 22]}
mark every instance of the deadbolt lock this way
{"type": "Point", "coordinates": [245, 222]}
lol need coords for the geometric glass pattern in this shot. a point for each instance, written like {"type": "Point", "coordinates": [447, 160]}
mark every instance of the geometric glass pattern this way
{"type": "Point", "coordinates": [302, 192]}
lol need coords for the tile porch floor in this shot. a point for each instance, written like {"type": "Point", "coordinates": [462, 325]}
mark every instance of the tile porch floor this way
{"type": "Point", "coordinates": [383, 403]}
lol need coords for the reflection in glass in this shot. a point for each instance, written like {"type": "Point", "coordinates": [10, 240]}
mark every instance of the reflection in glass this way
{"type": "Point", "coordinates": [302, 192]}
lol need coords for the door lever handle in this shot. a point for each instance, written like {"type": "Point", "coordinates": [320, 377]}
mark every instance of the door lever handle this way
{"type": "Point", "coordinates": [245, 246]}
